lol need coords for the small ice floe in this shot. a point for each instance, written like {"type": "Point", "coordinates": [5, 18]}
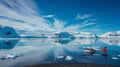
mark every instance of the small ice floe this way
{"type": "Point", "coordinates": [59, 57]}
{"type": "Point", "coordinates": [114, 58]}
{"type": "Point", "coordinates": [69, 58]}
{"type": "Point", "coordinates": [10, 56]}
{"type": "Point", "coordinates": [118, 55]}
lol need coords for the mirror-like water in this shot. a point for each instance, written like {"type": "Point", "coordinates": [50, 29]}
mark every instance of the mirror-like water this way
{"type": "Point", "coordinates": [18, 52]}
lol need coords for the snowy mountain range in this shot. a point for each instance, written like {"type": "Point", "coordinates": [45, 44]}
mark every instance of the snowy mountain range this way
{"type": "Point", "coordinates": [84, 35]}
{"type": "Point", "coordinates": [111, 35]}
{"type": "Point", "coordinates": [9, 32]}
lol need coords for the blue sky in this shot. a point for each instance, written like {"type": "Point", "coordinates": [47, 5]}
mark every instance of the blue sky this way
{"type": "Point", "coordinates": [95, 16]}
{"type": "Point", "coordinates": [105, 12]}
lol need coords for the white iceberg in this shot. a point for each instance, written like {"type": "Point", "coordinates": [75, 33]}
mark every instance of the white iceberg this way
{"type": "Point", "coordinates": [114, 58]}
{"type": "Point", "coordinates": [59, 57]}
{"type": "Point", "coordinates": [69, 58]}
{"type": "Point", "coordinates": [10, 56]}
{"type": "Point", "coordinates": [118, 55]}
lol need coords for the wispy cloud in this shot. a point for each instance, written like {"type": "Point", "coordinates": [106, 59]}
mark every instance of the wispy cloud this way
{"type": "Point", "coordinates": [24, 16]}
{"type": "Point", "coordinates": [22, 11]}
{"type": "Point", "coordinates": [48, 16]}
{"type": "Point", "coordinates": [61, 26]}
{"type": "Point", "coordinates": [88, 20]}
{"type": "Point", "coordinates": [87, 24]}
{"type": "Point", "coordinates": [81, 17]}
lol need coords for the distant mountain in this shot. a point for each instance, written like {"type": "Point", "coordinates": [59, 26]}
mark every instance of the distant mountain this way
{"type": "Point", "coordinates": [8, 32]}
{"type": "Point", "coordinates": [111, 35]}
{"type": "Point", "coordinates": [70, 35]}
{"type": "Point", "coordinates": [85, 35]}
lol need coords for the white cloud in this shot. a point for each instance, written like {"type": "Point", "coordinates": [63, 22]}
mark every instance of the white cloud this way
{"type": "Point", "coordinates": [73, 28]}
{"type": "Point", "coordinates": [61, 26]}
{"type": "Point", "coordinates": [87, 24]}
{"type": "Point", "coordinates": [81, 17]}
{"type": "Point", "coordinates": [33, 22]}
{"type": "Point", "coordinates": [21, 10]}
{"type": "Point", "coordinates": [48, 16]}
{"type": "Point", "coordinates": [86, 21]}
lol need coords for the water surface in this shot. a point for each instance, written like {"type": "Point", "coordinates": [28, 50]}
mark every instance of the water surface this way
{"type": "Point", "coordinates": [43, 50]}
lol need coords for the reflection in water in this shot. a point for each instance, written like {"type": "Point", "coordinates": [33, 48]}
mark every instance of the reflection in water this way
{"type": "Point", "coordinates": [105, 56]}
{"type": "Point", "coordinates": [85, 41]}
{"type": "Point", "coordinates": [10, 56]}
{"type": "Point", "coordinates": [89, 51]}
{"type": "Point", "coordinates": [111, 41]}
{"type": "Point", "coordinates": [8, 44]}
{"type": "Point", "coordinates": [63, 41]}
{"type": "Point", "coordinates": [61, 50]}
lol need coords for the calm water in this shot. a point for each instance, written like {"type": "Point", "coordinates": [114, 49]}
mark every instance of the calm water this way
{"type": "Point", "coordinates": [34, 51]}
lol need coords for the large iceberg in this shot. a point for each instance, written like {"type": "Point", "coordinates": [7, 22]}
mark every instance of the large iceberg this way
{"type": "Point", "coordinates": [8, 32]}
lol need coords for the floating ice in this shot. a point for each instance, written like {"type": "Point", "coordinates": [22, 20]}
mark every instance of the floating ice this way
{"type": "Point", "coordinates": [115, 58]}
{"type": "Point", "coordinates": [118, 55]}
{"type": "Point", "coordinates": [10, 56]}
{"type": "Point", "coordinates": [69, 58]}
{"type": "Point", "coordinates": [60, 57]}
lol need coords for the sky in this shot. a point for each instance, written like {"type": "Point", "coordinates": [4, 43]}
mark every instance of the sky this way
{"type": "Point", "coordinates": [35, 16]}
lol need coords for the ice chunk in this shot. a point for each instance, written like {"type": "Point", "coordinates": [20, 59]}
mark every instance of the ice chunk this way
{"type": "Point", "coordinates": [69, 58]}
{"type": "Point", "coordinates": [10, 56]}
{"type": "Point", "coordinates": [115, 58]}
{"type": "Point", "coordinates": [118, 55]}
{"type": "Point", "coordinates": [60, 57]}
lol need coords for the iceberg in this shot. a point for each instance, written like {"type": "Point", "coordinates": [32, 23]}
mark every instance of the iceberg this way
{"type": "Point", "coordinates": [69, 58]}
{"type": "Point", "coordinates": [10, 56]}
{"type": "Point", "coordinates": [8, 32]}
{"type": "Point", "coordinates": [114, 58]}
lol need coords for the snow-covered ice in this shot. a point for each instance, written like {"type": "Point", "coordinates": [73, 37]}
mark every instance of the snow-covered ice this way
{"type": "Point", "coordinates": [59, 57]}
{"type": "Point", "coordinates": [115, 58]}
{"type": "Point", "coordinates": [69, 58]}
